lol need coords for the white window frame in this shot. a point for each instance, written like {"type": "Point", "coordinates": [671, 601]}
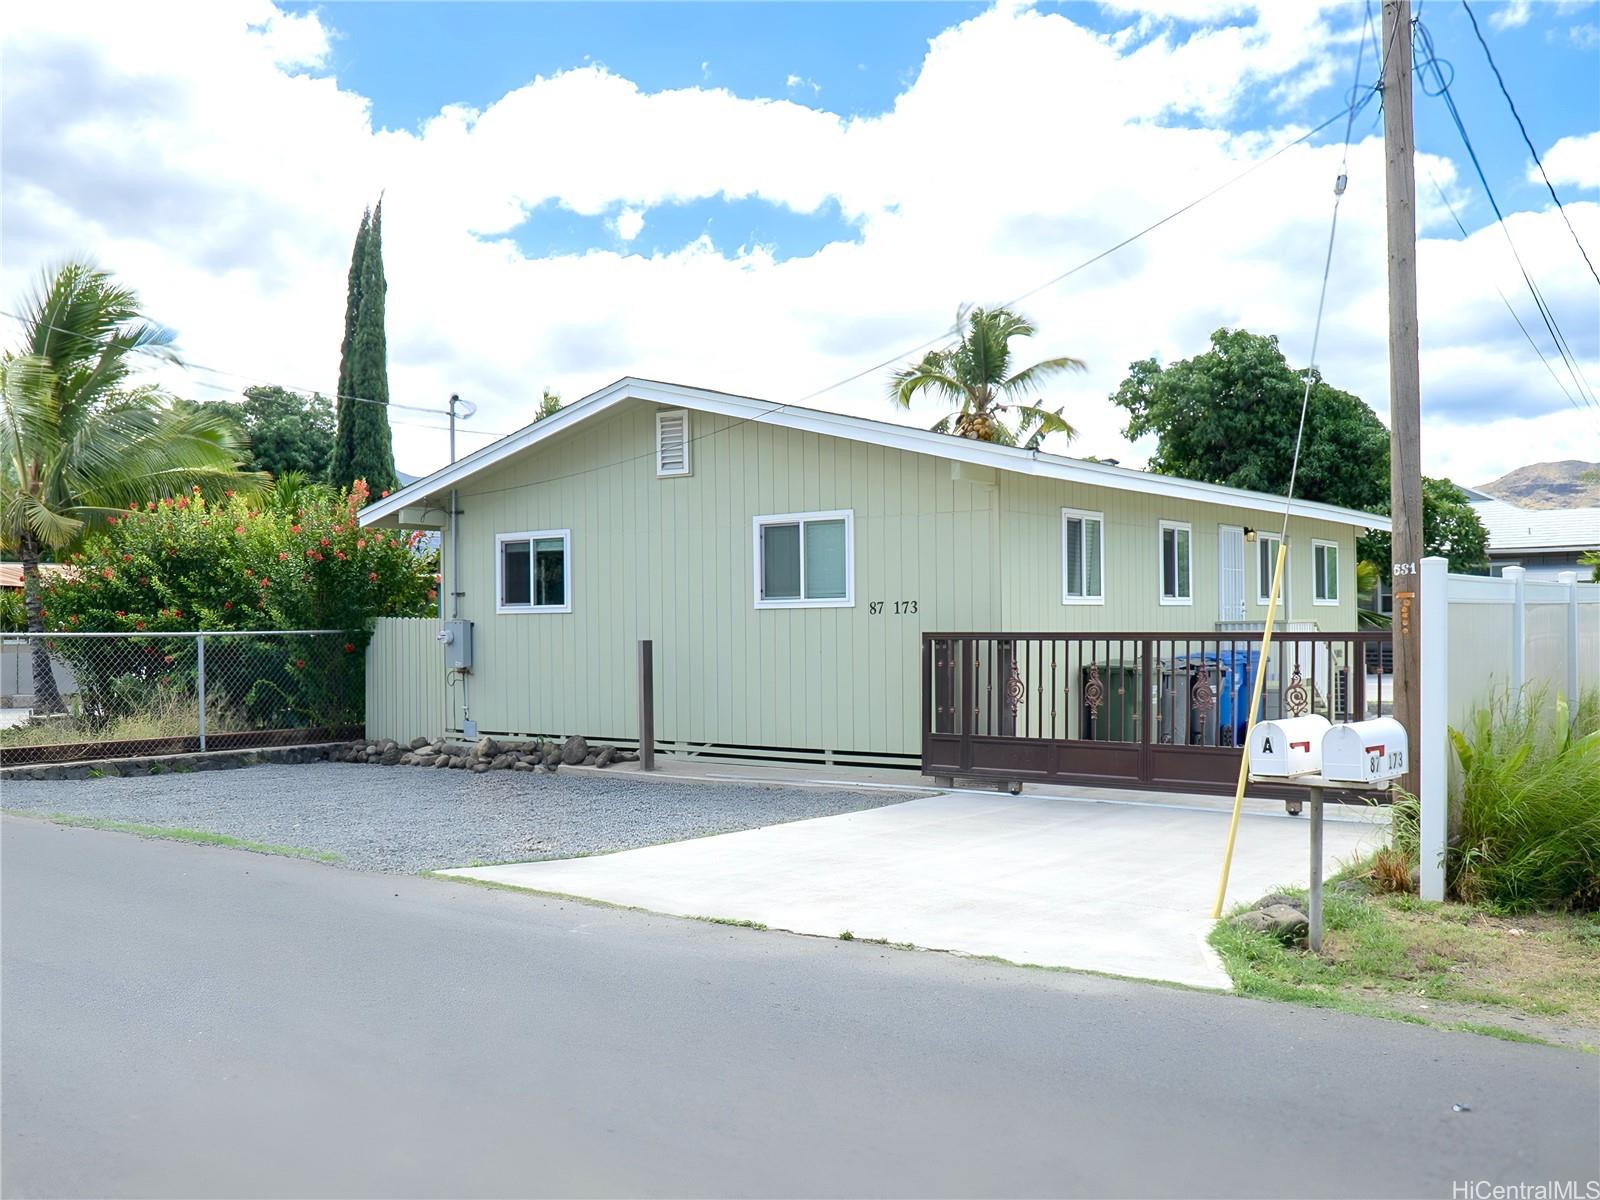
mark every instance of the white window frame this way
{"type": "Point", "coordinates": [687, 440]}
{"type": "Point", "coordinates": [500, 539]}
{"type": "Point", "coordinates": [1083, 514]}
{"type": "Point", "coordinates": [848, 515]}
{"type": "Point", "coordinates": [1264, 578]}
{"type": "Point", "coordinates": [1161, 560]}
{"type": "Point", "coordinates": [1331, 577]}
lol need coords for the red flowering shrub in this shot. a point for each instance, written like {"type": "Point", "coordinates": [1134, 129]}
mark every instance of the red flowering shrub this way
{"type": "Point", "coordinates": [171, 566]}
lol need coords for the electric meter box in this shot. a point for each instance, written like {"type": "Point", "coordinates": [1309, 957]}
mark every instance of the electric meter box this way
{"type": "Point", "coordinates": [1286, 748]}
{"type": "Point", "coordinates": [456, 638]}
{"type": "Point", "coordinates": [1365, 751]}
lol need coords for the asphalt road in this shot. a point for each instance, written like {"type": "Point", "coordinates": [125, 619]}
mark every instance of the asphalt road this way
{"type": "Point", "coordinates": [182, 1020]}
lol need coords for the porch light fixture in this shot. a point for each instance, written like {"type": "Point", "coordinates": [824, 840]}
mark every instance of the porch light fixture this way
{"type": "Point", "coordinates": [1249, 534]}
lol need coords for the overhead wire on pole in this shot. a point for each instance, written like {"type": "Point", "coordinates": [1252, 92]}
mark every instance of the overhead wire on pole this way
{"type": "Point", "coordinates": [1348, 112]}
{"type": "Point", "coordinates": [1424, 44]}
{"type": "Point", "coordinates": [1532, 149]}
{"type": "Point", "coordinates": [1506, 300]}
{"type": "Point", "coordinates": [1288, 499]}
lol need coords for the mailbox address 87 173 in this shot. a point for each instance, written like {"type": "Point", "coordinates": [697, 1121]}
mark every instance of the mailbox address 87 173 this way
{"type": "Point", "coordinates": [1365, 751]}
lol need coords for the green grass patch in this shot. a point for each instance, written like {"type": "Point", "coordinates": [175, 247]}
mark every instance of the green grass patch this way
{"type": "Point", "coordinates": [175, 833]}
{"type": "Point", "coordinates": [1399, 957]}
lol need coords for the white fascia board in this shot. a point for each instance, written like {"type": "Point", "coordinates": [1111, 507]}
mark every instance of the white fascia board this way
{"type": "Point", "coordinates": [859, 429]}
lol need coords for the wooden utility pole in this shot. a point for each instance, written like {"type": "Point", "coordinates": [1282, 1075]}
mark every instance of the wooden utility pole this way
{"type": "Point", "coordinates": [1405, 386]}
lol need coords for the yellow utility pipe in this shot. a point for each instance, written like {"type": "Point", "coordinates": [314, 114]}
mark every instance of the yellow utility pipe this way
{"type": "Point", "coordinates": [1250, 724]}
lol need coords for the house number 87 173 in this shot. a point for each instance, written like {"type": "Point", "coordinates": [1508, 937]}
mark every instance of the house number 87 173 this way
{"type": "Point", "coordinates": [901, 607]}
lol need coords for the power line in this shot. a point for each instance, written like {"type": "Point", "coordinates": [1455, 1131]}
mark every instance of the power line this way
{"type": "Point", "coordinates": [1498, 78]}
{"type": "Point", "coordinates": [311, 392]}
{"type": "Point", "coordinates": [1425, 42]}
{"type": "Point", "coordinates": [1450, 208]}
{"type": "Point", "coordinates": [166, 358]}
{"type": "Point", "coordinates": [1354, 107]}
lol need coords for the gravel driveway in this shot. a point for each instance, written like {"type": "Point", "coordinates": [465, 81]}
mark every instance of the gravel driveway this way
{"type": "Point", "coordinates": [404, 820]}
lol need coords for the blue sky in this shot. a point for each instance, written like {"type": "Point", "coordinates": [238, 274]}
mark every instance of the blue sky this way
{"type": "Point", "coordinates": [772, 198]}
{"type": "Point", "coordinates": [855, 59]}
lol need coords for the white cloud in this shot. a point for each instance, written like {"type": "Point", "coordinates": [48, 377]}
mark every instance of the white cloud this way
{"type": "Point", "coordinates": [1572, 160]}
{"type": "Point", "coordinates": [200, 161]}
{"type": "Point", "coordinates": [1511, 15]}
{"type": "Point", "coordinates": [793, 82]}
{"type": "Point", "coordinates": [629, 224]}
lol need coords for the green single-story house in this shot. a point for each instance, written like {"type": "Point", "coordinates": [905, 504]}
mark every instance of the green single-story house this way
{"type": "Point", "coordinates": [785, 563]}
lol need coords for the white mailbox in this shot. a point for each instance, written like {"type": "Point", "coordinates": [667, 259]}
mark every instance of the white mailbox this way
{"type": "Point", "coordinates": [1292, 746]}
{"type": "Point", "coordinates": [1365, 751]}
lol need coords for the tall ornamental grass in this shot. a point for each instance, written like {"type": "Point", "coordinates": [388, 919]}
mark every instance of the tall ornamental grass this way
{"type": "Point", "coordinates": [1529, 804]}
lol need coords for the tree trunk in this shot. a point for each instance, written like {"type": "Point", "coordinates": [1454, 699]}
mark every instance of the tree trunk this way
{"type": "Point", "coordinates": [46, 699]}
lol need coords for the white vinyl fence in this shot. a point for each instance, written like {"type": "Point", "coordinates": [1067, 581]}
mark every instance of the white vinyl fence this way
{"type": "Point", "coordinates": [1483, 637]}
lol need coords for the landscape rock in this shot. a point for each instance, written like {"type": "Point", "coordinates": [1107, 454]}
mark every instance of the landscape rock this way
{"type": "Point", "coordinates": [480, 767]}
{"type": "Point", "coordinates": [502, 761]}
{"type": "Point", "coordinates": [1272, 898]}
{"type": "Point", "coordinates": [417, 743]}
{"type": "Point", "coordinates": [487, 748]}
{"type": "Point", "coordinates": [523, 765]}
{"type": "Point", "coordinates": [407, 759]}
{"type": "Point", "coordinates": [389, 757]}
{"type": "Point", "coordinates": [442, 762]}
{"type": "Point", "coordinates": [606, 756]}
{"type": "Point", "coordinates": [573, 751]}
{"type": "Point", "coordinates": [1280, 921]}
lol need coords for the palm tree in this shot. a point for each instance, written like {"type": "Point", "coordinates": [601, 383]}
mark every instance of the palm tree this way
{"type": "Point", "coordinates": [976, 373]}
{"type": "Point", "coordinates": [549, 404]}
{"type": "Point", "coordinates": [82, 440]}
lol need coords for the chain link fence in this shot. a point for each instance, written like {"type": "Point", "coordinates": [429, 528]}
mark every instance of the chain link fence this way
{"type": "Point", "coordinates": [70, 696]}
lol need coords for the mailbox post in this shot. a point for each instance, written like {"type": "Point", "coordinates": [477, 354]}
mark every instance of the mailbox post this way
{"type": "Point", "coordinates": [1359, 756]}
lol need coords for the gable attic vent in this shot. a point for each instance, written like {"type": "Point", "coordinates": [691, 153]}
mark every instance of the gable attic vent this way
{"type": "Point", "coordinates": [672, 442]}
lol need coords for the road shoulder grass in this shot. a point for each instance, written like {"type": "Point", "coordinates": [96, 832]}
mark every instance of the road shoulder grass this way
{"type": "Point", "coordinates": [1533, 977]}
{"type": "Point", "coordinates": [174, 833]}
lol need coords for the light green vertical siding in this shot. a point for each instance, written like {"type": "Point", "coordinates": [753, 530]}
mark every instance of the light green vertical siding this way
{"type": "Point", "coordinates": [672, 559]}
{"type": "Point", "coordinates": [1030, 520]}
{"type": "Point", "coordinates": [406, 684]}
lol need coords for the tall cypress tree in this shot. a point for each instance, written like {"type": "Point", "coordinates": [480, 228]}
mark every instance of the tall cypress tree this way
{"type": "Point", "coordinates": [364, 448]}
{"type": "Point", "coordinates": [343, 441]}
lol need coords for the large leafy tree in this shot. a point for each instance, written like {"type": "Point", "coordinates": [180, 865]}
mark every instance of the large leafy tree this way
{"type": "Point", "coordinates": [363, 446]}
{"type": "Point", "coordinates": [1229, 416]}
{"type": "Point", "coordinates": [978, 375]}
{"type": "Point", "coordinates": [83, 438]}
{"type": "Point", "coordinates": [287, 432]}
{"type": "Point", "coordinates": [1451, 529]}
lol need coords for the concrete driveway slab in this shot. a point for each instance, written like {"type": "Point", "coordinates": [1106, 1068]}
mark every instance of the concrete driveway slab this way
{"type": "Point", "coordinates": [1095, 885]}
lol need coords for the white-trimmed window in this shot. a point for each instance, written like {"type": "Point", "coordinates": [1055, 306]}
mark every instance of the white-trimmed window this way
{"type": "Point", "coordinates": [1324, 572]}
{"type": "Point", "coordinates": [672, 442]}
{"type": "Point", "coordinates": [533, 572]}
{"type": "Point", "coordinates": [1083, 547]}
{"type": "Point", "coordinates": [805, 560]}
{"type": "Point", "coordinates": [1266, 563]}
{"type": "Point", "coordinates": [1177, 563]}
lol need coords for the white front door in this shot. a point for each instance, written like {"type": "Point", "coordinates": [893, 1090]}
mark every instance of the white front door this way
{"type": "Point", "coordinates": [1230, 589]}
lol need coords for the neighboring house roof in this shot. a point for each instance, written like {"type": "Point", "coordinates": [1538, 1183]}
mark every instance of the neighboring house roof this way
{"type": "Point", "coordinates": [1513, 529]}
{"type": "Point", "coordinates": [856, 429]}
{"type": "Point", "coordinates": [11, 572]}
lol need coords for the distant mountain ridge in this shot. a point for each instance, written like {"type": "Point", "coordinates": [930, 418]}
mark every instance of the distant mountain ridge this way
{"type": "Point", "coordinates": [1569, 483]}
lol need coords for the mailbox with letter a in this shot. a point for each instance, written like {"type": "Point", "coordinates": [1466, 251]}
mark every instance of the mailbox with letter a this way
{"type": "Point", "coordinates": [1292, 746]}
{"type": "Point", "coordinates": [1365, 751]}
